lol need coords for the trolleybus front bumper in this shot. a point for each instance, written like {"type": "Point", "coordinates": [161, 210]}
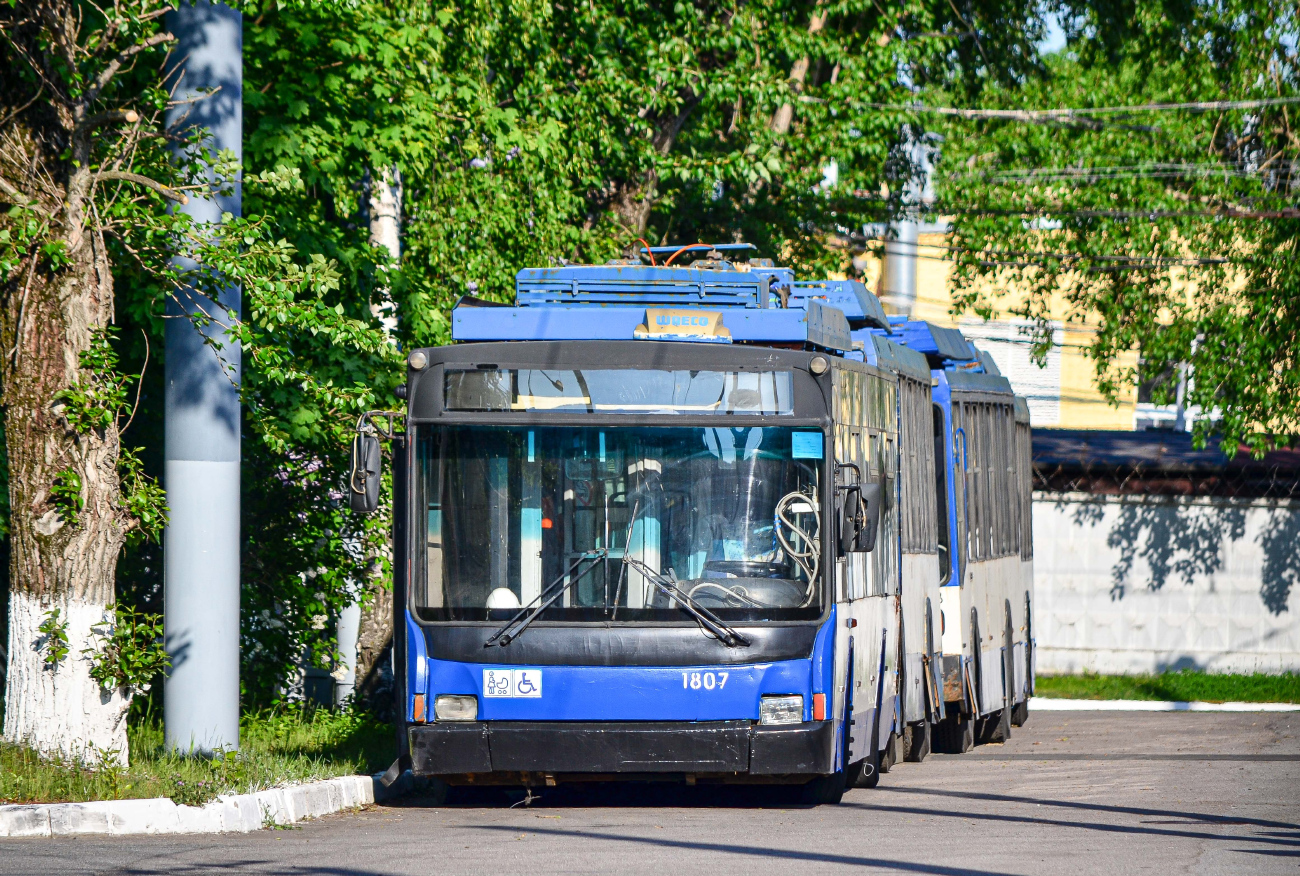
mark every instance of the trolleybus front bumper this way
{"type": "Point", "coordinates": [551, 747]}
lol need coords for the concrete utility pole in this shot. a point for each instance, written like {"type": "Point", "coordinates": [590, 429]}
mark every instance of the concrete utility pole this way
{"type": "Point", "coordinates": [201, 543]}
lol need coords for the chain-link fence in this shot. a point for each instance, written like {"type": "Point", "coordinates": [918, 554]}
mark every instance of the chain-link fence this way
{"type": "Point", "coordinates": [1158, 463]}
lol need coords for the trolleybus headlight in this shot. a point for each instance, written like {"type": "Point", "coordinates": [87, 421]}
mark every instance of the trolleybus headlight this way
{"type": "Point", "coordinates": [818, 365]}
{"type": "Point", "coordinates": [780, 710]}
{"type": "Point", "coordinates": [455, 708]}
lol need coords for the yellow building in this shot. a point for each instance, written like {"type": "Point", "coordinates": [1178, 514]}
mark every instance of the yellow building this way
{"type": "Point", "coordinates": [1063, 392]}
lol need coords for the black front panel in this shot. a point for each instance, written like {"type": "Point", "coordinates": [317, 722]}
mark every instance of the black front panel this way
{"type": "Point", "coordinates": [589, 747]}
{"type": "Point", "coordinates": [619, 645]}
{"type": "Point", "coordinates": [637, 748]}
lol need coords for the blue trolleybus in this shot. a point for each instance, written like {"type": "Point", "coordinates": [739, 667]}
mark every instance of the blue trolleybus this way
{"type": "Point", "coordinates": [688, 522]}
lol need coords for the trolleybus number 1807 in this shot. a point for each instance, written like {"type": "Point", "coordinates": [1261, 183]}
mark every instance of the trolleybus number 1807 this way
{"type": "Point", "coordinates": [706, 680]}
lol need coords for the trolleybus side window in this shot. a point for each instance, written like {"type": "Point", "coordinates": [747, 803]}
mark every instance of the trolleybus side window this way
{"type": "Point", "coordinates": [941, 495]}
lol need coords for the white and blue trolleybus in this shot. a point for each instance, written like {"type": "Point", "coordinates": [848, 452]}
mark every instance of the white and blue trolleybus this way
{"type": "Point", "coordinates": [700, 522]}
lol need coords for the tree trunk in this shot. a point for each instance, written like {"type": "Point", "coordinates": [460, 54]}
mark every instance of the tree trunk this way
{"type": "Point", "coordinates": [384, 203]}
{"type": "Point", "coordinates": [784, 115]}
{"type": "Point", "coordinates": [632, 200]}
{"type": "Point", "coordinates": [375, 632]}
{"type": "Point", "coordinates": [61, 557]}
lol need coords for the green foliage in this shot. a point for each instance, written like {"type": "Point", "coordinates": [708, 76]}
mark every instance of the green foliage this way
{"type": "Point", "coordinates": [129, 652]}
{"type": "Point", "coordinates": [1174, 232]}
{"type": "Point", "coordinates": [1180, 686]}
{"type": "Point", "coordinates": [288, 744]}
{"type": "Point", "coordinates": [143, 498]}
{"type": "Point", "coordinates": [99, 396]}
{"type": "Point", "coordinates": [66, 495]}
{"type": "Point", "coordinates": [55, 630]}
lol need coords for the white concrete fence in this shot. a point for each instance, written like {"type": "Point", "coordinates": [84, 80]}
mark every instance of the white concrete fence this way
{"type": "Point", "coordinates": [1147, 583]}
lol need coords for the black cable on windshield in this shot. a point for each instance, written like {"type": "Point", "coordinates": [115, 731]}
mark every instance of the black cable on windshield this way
{"type": "Point", "coordinates": [705, 618]}
{"type": "Point", "coordinates": [515, 627]}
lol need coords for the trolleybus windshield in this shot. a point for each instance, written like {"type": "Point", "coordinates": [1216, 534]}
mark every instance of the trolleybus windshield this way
{"type": "Point", "coordinates": [733, 513]}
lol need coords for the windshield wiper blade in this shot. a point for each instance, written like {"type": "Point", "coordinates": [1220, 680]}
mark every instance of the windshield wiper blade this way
{"type": "Point", "coordinates": [707, 619]}
{"type": "Point", "coordinates": [515, 627]}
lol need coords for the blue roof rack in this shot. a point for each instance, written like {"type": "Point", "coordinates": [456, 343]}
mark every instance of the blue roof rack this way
{"type": "Point", "coordinates": [850, 296]}
{"type": "Point", "coordinates": [704, 301]}
{"type": "Point", "coordinates": [696, 247]}
{"type": "Point", "coordinates": [925, 337]}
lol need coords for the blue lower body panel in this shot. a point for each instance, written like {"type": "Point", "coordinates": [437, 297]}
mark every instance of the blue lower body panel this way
{"type": "Point", "coordinates": [621, 693]}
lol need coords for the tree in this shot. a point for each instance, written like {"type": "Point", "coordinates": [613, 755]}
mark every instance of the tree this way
{"type": "Point", "coordinates": [527, 132]}
{"type": "Point", "coordinates": [87, 173]}
{"type": "Point", "coordinates": [1164, 209]}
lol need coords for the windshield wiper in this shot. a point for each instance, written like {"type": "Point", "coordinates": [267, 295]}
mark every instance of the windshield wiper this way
{"type": "Point", "coordinates": [707, 619]}
{"type": "Point", "coordinates": [515, 627]}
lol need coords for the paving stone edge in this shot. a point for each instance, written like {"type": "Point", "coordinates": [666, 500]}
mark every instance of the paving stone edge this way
{"type": "Point", "coordinates": [239, 813]}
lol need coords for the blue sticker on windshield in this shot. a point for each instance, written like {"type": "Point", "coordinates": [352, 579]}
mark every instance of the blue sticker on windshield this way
{"type": "Point", "coordinates": [806, 445]}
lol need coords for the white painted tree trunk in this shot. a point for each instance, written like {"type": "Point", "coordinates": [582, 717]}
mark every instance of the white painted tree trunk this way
{"type": "Point", "coordinates": [60, 711]}
{"type": "Point", "coordinates": [385, 210]}
{"type": "Point", "coordinates": [359, 625]}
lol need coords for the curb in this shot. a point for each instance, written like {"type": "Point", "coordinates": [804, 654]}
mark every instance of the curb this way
{"type": "Point", "coordinates": [1046, 704]}
{"type": "Point", "coordinates": [237, 813]}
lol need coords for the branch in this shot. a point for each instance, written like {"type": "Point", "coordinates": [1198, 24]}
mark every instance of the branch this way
{"type": "Point", "coordinates": [16, 196]}
{"type": "Point", "coordinates": [130, 117]}
{"type": "Point", "coordinates": [106, 75]}
{"type": "Point", "coordinates": [165, 191]}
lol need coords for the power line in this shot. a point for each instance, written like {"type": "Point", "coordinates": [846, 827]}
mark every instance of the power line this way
{"type": "Point", "coordinates": [1013, 115]}
{"type": "Point", "coordinates": [1155, 170]}
{"type": "Point", "coordinates": [1163, 261]}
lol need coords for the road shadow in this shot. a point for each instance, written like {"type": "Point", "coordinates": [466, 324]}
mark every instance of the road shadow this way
{"type": "Point", "coordinates": [612, 795]}
{"type": "Point", "coordinates": [794, 856]}
{"type": "Point", "coordinates": [1079, 806]}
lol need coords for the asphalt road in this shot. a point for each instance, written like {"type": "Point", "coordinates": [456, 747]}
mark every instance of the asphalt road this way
{"type": "Point", "coordinates": [1109, 793]}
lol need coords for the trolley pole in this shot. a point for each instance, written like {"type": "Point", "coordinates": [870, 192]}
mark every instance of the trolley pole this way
{"type": "Point", "coordinates": [201, 542]}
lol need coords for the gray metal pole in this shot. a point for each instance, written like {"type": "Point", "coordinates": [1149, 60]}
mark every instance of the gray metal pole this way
{"type": "Point", "coordinates": [898, 284]}
{"type": "Point", "coordinates": [201, 543]}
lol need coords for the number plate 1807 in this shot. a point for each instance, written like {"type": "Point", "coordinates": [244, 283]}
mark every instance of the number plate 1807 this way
{"type": "Point", "coordinates": [705, 680]}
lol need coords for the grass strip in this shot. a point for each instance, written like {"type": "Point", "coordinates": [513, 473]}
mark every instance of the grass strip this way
{"type": "Point", "coordinates": [277, 746]}
{"type": "Point", "coordinates": [1180, 686]}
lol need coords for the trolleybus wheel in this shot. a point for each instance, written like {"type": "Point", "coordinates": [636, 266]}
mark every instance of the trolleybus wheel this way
{"type": "Point", "coordinates": [889, 756]}
{"type": "Point", "coordinates": [862, 774]}
{"type": "Point", "coordinates": [955, 734]}
{"type": "Point", "coordinates": [825, 789]}
{"type": "Point", "coordinates": [916, 741]}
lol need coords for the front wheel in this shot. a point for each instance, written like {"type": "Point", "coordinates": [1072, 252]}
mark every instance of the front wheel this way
{"type": "Point", "coordinates": [825, 789]}
{"type": "Point", "coordinates": [863, 774]}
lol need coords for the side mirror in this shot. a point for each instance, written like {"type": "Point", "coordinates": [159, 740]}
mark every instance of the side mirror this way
{"type": "Point", "coordinates": [363, 474]}
{"type": "Point", "coordinates": [871, 499]}
{"type": "Point", "coordinates": [850, 518]}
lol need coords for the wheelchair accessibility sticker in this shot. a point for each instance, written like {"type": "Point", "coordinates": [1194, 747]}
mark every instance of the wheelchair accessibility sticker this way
{"type": "Point", "coordinates": [512, 683]}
